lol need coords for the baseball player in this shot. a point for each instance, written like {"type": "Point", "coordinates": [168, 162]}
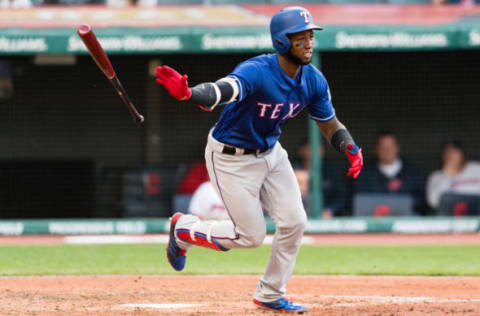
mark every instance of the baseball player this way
{"type": "Point", "coordinates": [247, 165]}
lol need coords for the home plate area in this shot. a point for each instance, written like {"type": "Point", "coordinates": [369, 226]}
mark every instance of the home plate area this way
{"type": "Point", "coordinates": [333, 295]}
{"type": "Point", "coordinates": [325, 301]}
{"type": "Point", "coordinates": [221, 295]}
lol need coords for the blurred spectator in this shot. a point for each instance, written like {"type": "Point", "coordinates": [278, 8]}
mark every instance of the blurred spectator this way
{"type": "Point", "coordinates": [206, 203]}
{"type": "Point", "coordinates": [196, 175]}
{"type": "Point", "coordinates": [333, 181]}
{"type": "Point", "coordinates": [390, 173]}
{"type": "Point", "coordinates": [303, 179]}
{"type": "Point", "coordinates": [70, 2]}
{"type": "Point", "coordinates": [457, 175]}
{"type": "Point", "coordinates": [6, 81]}
{"type": "Point", "coordinates": [144, 3]}
{"type": "Point", "coordinates": [466, 3]}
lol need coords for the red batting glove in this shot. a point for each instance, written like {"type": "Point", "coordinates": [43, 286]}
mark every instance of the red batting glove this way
{"type": "Point", "coordinates": [354, 155]}
{"type": "Point", "coordinates": [176, 84]}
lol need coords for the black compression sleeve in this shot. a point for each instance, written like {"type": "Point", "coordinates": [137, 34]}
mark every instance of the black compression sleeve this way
{"type": "Point", "coordinates": [341, 139]}
{"type": "Point", "coordinates": [205, 93]}
{"type": "Point", "coordinates": [226, 90]}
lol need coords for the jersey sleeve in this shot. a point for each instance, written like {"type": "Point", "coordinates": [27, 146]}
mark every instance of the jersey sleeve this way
{"type": "Point", "coordinates": [321, 107]}
{"type": "Point", "coordinates": [248, 77]}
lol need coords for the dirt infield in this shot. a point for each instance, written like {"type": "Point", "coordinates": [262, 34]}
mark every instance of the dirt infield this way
{"type": "Point", "coordinates": [231, 295]}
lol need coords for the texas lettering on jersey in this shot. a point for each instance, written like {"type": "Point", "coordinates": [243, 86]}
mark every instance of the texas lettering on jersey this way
{"type": "Point", "coordinates": [267, 99]}
{"type": "Point", "coordinates": [277, 109]}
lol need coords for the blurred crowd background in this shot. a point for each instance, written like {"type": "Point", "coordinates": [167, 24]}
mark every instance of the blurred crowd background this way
{"type": "Point", "coordinates": [154, 3]}
{"type": "Point", "coordinates": [69, 149]}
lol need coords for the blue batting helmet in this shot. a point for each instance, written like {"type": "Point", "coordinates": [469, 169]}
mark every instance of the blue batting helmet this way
{"type": "Point", "coordinates": [288, 21]}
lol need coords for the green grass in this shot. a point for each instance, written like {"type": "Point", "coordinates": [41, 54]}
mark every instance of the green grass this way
{"type": "Point", "coordinates": [150, 259]}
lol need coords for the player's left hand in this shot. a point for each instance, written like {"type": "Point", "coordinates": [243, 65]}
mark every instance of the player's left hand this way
{"type": "Point", "coordinates": [175, 83]}
{"type": "Point", "coordinates": [354, 155]}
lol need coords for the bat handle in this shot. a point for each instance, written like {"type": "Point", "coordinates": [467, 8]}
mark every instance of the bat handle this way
{"type": "Point", "coordinates": [137, 117]}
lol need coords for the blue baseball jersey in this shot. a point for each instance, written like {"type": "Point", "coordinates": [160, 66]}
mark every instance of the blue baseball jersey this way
{"type": "Point", "coordinates": [267, 99]}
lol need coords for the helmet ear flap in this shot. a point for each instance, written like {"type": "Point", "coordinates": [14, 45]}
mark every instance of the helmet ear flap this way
{"type": "Point", "coordinates": [281, 43]}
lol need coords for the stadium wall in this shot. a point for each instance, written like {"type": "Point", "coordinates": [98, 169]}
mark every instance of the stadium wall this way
{"type": "Point", "coordinates": [66, 112]}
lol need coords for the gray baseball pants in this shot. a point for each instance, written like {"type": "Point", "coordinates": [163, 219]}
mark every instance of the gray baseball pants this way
{"type": "Point", "coordinates": [247, 185]}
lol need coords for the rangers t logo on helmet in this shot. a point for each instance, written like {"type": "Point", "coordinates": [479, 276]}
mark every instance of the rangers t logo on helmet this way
{"type": "Point", "coordinates": [289, 20]}
{"type": "Point", "coordinates": [305, 15]}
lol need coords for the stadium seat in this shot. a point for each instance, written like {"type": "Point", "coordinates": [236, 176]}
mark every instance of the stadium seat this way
{"type": "Point", "coordinates": [452, 204]}
{"type": "Point", "coordinates": [147, 192]}
{"type": "Point", "coordinates": [382, 204]}
{"type": "Point", "coordinates": [109, 191]}
{"type": "Point", "coordinates": [181, 202]}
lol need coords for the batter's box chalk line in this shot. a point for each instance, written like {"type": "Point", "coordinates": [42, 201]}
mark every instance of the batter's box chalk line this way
{"type": "Point", "coordinates": [346, 301]}
{"type": "Point", "coordinates": [352, 300]}
{"type": "Point", "coordinates": [161, 306]}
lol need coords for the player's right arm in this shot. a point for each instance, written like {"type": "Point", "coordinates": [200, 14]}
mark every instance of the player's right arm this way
{"type": "Point", "coordinates": [321, 110]}
{"type": "Point", "coordinates": [207, 95]}
{"type": "Point", "coordinates": [339, 138]}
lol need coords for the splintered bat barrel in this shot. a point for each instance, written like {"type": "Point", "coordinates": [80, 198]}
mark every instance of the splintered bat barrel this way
{"type": "Point", "coordinates": [101, 59]}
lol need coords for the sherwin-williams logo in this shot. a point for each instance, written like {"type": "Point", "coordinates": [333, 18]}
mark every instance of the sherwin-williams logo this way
{"type": "Point", "coordinates": [436, 226]}
{"type": "Point", "coordinates": [97, 227]}
{"type": "Point", "coordinates": [394, 40]}
{"type": "Point", "coordinates": [11, 229]}
{"type": "Point", "coordinates": [337, 226]}
{"type": "Point", "coordinates": [27, 44]}
{"type": "Point", "coordinates": [65, 228]}
{"type": "Point", "coordinates": [130, 43]}
{"type": "Point", "coordinates": [211, 42]}
{"type": "Point", "coordinates": [131, 227]}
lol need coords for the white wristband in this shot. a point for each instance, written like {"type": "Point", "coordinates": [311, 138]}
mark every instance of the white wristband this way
{"type": "Point", "coordinates": [234, 85]}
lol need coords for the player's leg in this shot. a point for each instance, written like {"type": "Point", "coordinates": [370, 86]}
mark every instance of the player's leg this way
{"type": "Point", "coordinates": [281, 197]}
{"type": "Point", "coordinates": [238, 180]}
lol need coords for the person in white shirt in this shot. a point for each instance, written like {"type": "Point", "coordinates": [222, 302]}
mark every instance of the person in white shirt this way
{"type": "Point", "coordinates": [457, 175]}
{"type": "Point", "coordinates": [206, 203]}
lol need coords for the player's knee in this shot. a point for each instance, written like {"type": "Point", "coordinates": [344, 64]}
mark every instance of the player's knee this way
{"type": "Point", "coordinates": [256, 240]}
{"type": "Point", "coordinates": [295, 223]}
{"type": "Point", "coordinates": [299, 224]}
